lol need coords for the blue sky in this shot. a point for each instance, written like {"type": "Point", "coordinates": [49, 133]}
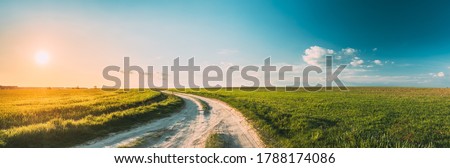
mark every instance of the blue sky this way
{"type": "Point", "coordinates": [384, 43]}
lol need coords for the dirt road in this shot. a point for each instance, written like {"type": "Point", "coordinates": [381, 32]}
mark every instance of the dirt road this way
{"type": "Point", "coordinates": [188, 128]}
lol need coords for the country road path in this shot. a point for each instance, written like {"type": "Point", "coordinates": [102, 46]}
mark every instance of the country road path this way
{"type": "Point", "coordinates": [188, 128]}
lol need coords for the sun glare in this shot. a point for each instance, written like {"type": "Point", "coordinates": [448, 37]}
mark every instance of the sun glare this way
{"type": "Point", "coordinates": [41, 57]}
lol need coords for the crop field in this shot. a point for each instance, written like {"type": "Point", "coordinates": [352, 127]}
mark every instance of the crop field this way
{"type": "Point", "coordinates": [361, 117]}
{"type": "Point", "coordinates": [66, 117]}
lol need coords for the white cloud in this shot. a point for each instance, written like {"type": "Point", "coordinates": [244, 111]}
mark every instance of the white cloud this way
{"type": "Point", "coordinates": [349, 51]}
{"type": "Point", "coordinates": [389, 62]}
{"type": "Point", "coordinates": [378, 62]}
{"type": "Point", "coordinates": [314, 55]}
{"type": "Point", "coordinates": [437, 75]}
{"type": "Point", "coordinates": [374, 49]}
{"type": "Point", "coordinates": [448, 67]}
{"type": "Point", "coordinates": [330, 51]}
{"type": "Point", "coordinates": [227, 52]}
{"type": "Point", "coordinates": [357, 62]}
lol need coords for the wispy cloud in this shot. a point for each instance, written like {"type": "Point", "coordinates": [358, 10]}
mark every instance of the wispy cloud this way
{"type": "Point", "coordinates": [378, 62]}
{"type": "Point", "coordinates": [315, 55]}
{"type": "Point", "coordinates": [437, 75]}
{"type": "Point", "coordinates": [367, 79]}
{"type": "Point", "coordinates": [364, 70]}
{"type": "Point", "coordinates": [227, 51]}
{"type": "Point", "coordinates": [349, 51]}
{"type": "Point", "coordinates": [357, 61]}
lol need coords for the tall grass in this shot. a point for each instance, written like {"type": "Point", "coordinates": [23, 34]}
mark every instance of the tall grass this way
{"type": "Point", "coordinates": [31, 106]}
{"type": "Point", "coordinates": [92, 113]}
{"type": "Point", "coordinates": [217, 140]}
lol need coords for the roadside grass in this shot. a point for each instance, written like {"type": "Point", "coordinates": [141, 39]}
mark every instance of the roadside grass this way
{"type": "Point", "coordinates": [205, 106]}
{"type": "Point", "coordinates": [217, 140]}
{"type": "Point", "coordinates": [362, 117]}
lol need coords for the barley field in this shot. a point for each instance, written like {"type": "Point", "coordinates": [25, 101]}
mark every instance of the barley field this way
{"type": "Point", "coordinates": [66, 117]}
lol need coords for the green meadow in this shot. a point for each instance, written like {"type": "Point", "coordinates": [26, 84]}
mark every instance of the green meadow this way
{"type": "Point", "coordinates": [361, 117]}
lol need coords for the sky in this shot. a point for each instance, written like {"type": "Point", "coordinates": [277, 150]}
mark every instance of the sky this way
{"type": "Point", "coordinates": [69, 43]}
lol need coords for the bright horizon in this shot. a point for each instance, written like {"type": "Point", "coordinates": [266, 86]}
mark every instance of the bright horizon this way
{"type": "Point", "coordinates": [68, 44]}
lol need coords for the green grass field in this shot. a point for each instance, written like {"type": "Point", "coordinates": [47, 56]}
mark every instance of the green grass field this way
{"type": "Point", "coordinates": [66, 117]}
{"type": "Point", "coordinates": [361, 117]}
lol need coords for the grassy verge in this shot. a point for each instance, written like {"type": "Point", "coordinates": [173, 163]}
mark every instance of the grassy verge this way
{"type": "Point", "coordinates": [205, 106]}
{"type": "Point", "coordinates": [217, 140]}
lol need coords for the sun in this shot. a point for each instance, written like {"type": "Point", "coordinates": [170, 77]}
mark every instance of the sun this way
{"type": "Point", "coordinates": [41, 57]}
